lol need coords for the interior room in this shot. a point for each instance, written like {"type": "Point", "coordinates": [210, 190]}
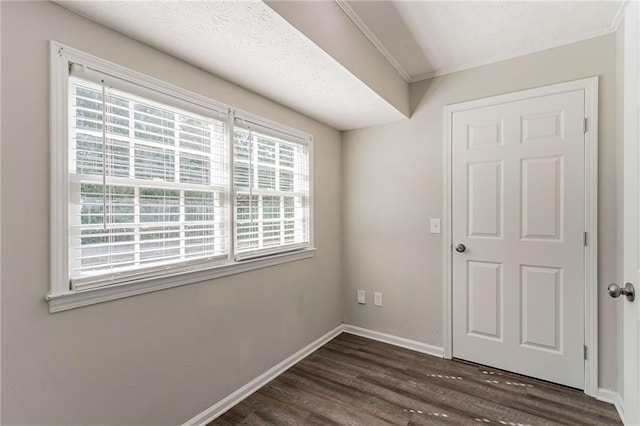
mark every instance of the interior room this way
{"type": "Point", "coordinates": [319, 212]}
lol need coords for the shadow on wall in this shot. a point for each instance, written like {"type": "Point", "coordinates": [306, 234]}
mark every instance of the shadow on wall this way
{"type": "Point", "coordinates": [480, 82]}
{"type": "Point", "coordinates": [397, 23]}
{"type": "Point", "coordinates": [419, 92]}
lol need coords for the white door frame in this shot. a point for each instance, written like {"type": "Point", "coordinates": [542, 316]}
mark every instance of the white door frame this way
{"type": "Point", "coordinates": [628, 405]}
{"type": "Point", "coordinates": [590, 87]}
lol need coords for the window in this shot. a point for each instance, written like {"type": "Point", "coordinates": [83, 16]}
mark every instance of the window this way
{"type": "Point", "coordinates": [271, 182]}
{"type": "Point", "coordinates": [157, 181]}
{"type": "Point", "coordinates": [153, 195]}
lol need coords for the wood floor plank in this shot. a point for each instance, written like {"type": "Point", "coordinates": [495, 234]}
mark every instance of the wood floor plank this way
{"type": "Point", "coordinates": [318, 419]}
{"type": "Point", "coordinates": [451, 402]}
{"type": "Point", "coordinates": [322, 404]}
{"type": "Point", "coordinates": [357, 381]}
{"type": "Point", "coordinates": [350, 393]}
{"type": "Point", "coordinates": [278, 412]}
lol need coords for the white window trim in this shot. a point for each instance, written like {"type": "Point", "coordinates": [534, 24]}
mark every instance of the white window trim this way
{"type": "Point", "coordinates": [60, 296]}
{"type": "Point", "coordinates": [76, 299]}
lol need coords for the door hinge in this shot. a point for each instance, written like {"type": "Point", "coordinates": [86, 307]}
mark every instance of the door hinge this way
{"type": "Point", "coordinates": [585, 239]}
{"type": "Point", "coordinates": [584, 125]}
{"type": "Point", "coordinates": [585, 352]}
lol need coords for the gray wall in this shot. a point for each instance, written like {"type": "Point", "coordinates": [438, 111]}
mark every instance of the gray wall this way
{"type": "Point", "coordinates": [392, 185]}
{"type": "Point", "coordinates": [157, 358]}
{"type": "Point", "coordinates": [163, 357]}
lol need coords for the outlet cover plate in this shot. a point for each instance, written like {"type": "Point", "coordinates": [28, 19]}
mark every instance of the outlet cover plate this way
{"type": "Point", "coordinates": [377, 298]}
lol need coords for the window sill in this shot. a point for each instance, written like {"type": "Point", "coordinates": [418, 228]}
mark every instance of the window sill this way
{"type": "Point", "coordinates": [76, 299]}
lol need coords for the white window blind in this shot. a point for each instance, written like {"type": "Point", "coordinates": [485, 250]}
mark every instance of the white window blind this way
{"type": "Point", "coordinates": [271, 190]}
{"type": "Point", "coordinates": [148, 186]}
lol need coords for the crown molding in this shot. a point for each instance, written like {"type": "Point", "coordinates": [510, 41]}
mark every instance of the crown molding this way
{"type": "Point", "coordinates": [351, 13]}
{"type": "Point", "coordinates": [348, 10]}
{"type": "Point", "coordinates": [617, 20]}
{"type": "Point", "coordinates": [500, 58]}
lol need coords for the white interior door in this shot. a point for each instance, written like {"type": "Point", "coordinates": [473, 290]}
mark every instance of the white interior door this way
{"type": "Point", "coordinates": [631, 259]}
{"type": "Point", "coordinates": [518, 208]}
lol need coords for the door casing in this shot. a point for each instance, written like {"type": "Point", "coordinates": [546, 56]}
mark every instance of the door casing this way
{"type": "Point", "coordinates": [590, 87]}
{"type": "Point", "coordinates": [628, 403]}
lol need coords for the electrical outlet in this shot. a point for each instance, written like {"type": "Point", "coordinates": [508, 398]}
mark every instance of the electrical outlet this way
{"type": "Point", "coordinates": [362, 297]}
{"type": "Point", "coordinates": [377, 298]}
{"type": "Point", "coordinates": [435, 226]}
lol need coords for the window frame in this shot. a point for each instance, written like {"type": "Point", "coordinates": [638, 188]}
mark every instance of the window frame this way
{"type": "Point", "coordinates": [61, 296]}
{"type": "Point", "coordinates": [77, 178]}
{"type": "Point", "coordinates": [251, 124]}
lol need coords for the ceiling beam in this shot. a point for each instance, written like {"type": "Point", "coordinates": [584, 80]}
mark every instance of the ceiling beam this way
{"type": "Point", "coordinates": [329, 27]}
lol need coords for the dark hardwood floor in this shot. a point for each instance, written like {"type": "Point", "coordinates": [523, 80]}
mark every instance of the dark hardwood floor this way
{"type": "Point", "coordinates": [357, 381]}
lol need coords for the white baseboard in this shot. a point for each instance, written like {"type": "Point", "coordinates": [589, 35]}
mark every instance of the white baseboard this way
{"type": "Point", "coordinates": [395, 340]}
{"type": "Point", "coordinates": [245, 391]}
{"type": "Point", "coordinates": [612, 397]}
{"type": "Point", "coordinates": [225, 404]}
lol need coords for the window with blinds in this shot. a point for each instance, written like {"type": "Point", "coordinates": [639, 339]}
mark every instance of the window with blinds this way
{"type": "Point", "coordinates": [164, 182]}
{"type": "Point", "coordinates": [148, 185]}
{"type": "Point", "coordinates": [271, 188]}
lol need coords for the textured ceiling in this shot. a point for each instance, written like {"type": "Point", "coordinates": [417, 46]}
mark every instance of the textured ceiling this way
{"type": "Point", "coordinates": [248, 44]}
{"type": "Point", "coordinates": [433, 38]}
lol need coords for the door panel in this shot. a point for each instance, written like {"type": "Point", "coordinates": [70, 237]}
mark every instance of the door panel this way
{"type": "Point", "coordinates": [542, 186]}
{"type": "Point", "coordinates": [484, 135]}
{"type": "Point", "coordinates": [518, 207]}
{"type": "Point", "coordinates": [485, 199]}
{"type": "Point", "coordinates": [541, 292]}
{"type": "Point", "coordinates": [485, 299]}
{"type": "Point", "coordinates": [543, 127]}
